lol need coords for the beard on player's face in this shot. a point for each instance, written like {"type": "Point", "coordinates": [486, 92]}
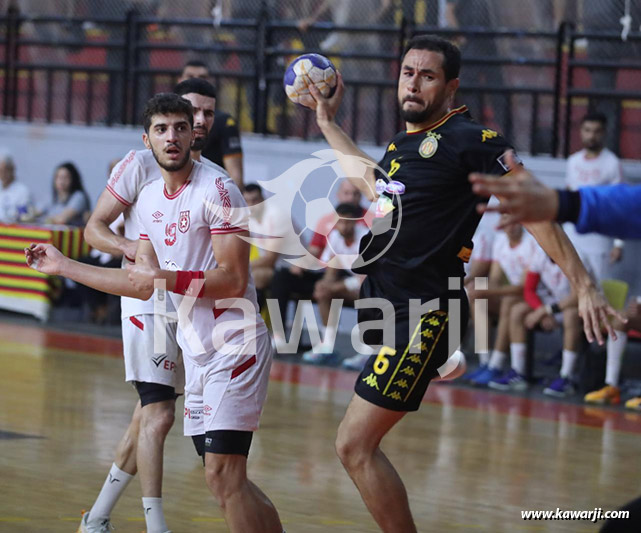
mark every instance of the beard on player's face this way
{"type": "Point", "coordinates": [171, 166]}
{"type": "Point", "coordinates": [198, 144]}
{"type": "Point", "coordinates": [416, 115]}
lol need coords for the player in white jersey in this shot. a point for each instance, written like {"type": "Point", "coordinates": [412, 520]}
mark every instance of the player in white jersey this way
{"type": "Point", "coordinates": [549, 304]}
{"type": "Point", "coordinates": [224, 341]}
{"type": "Point", "coordinates": [157, 376]}
{"type": "Point", "coordinates": [511, 253]}
{"type": "Point", "coordinates": [594, 165]}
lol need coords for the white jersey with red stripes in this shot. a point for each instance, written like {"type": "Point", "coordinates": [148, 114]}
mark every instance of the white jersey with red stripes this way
{"type": "Point", "coordinates": [180, 227]}
{"type": "Point", "coordinates": [513, 260]}
{"type": "Point", "coordinates": [127, 179]}
{"type": "Point", "coordinates": [554, 286]}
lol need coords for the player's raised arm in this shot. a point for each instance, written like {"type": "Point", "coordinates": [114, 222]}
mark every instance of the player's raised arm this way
{"type": "Point", "coordinates": [47, 259]}
{"type": "Point", "coordinates": [362, 176]}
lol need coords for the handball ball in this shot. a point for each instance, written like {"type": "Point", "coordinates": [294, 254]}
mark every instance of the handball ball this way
{"type": "Point", "coordinates": [309, 67]}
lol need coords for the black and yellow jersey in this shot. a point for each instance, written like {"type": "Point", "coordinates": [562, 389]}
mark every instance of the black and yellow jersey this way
{"type": "Point", "coordinates": [431, 202]}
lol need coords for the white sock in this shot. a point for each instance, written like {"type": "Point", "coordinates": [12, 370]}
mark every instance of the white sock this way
{"type": "Point", "coordinates": [615, 350]}
{"type": "Point", "coordinates": [484, 358]}
{"type": "Point", "coordinates": [568, 362]}
{"type": "Point", "coordinates": [114, 486]}
{"type": "Point", "coordinates": [154, 516]}
{"type": "Point", "coordinates": [498, 359]}
{"type": "Point", "coordinates": [518, 352]}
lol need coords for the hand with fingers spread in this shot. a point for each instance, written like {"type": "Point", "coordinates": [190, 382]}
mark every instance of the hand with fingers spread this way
{"type": "Point", "coordinates": [326, 108]}
{"type": "Point", "coordinates": [595, 312]}
{"type": "Point", "coordinates": [522, 196]}
{"type": "Point", "coordinates": [44, 258]}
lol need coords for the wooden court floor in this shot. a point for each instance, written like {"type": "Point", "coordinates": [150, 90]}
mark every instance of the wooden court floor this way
{"type": "Point", "coordinates": [471, 460]}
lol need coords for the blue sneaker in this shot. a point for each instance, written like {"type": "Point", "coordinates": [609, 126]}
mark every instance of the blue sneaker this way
{"type": "Point", "coordinates": [560, 387]}
{"type": "Point", "coordinates": [473, 374]}
{"type": "Point", "coordinates": [486, 376]}
{"type": "Point", "coordinates": [511, 380]}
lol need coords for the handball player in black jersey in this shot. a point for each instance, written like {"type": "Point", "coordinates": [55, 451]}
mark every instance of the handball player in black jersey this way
{"type": "Point", "coordinates": [418, 269]}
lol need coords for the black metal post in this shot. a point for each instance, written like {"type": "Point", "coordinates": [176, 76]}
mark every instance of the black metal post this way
{"type": "Point", "coordinates": [403, 32]}
{"type": "Point", "coordinates": [127, 68]}
{"type": "Point", "coordinates": [11, 58]}
{"type": "Point", "coordinates": [558, 81]}
{"type": "Point", "coordinates": [260, 81]}
{"type": "Point", "coordinates": [568, 97]}
{"type": "Point", "coordinates": [534, 125]}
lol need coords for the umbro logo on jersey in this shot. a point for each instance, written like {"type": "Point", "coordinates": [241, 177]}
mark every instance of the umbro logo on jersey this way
{"type": "Point", "coordinates": [157, 216]}
{"type": "Point", "coordinates": [159, 359]}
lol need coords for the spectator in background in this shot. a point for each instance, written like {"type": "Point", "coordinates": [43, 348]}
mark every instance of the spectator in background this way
{"type": "Point", "coordinates": [70, 201]}
{"type": "Point", "coordinates": [15, 197]}
{"type": "Point", "coordinates": [511, 255]}
{"type": "Point", "coordinates": [598, 16]}
{"type": "Point", "coordinates": [349, 13]}
{"type": "Point", "coordinates": [594, 165]}
{"type": "Point", "coordinates": [292, 281]}
{"type": "Point", "coordinates": [477, 14]}
{"type": "Point", "coordinates": [223, 146]}
{"type": "Point", "coordinates": [264, 222]}
{"type": "Point", "coordinates": [549, 304]}
{"type": "Point", "coordinates": [338, 282]}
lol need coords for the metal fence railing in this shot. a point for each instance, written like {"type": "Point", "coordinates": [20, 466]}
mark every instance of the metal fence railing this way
{"type": "Point", "coordinates": [531, 85]}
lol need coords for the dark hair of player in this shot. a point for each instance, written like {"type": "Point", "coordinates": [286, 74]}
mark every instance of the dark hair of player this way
{"type": "Point", "coordinates": [167, 104]}
{"type": "Point", "coordinates": [349, 210]}
{"type": "Point", "coordinates": [451, 53]}
{"type": "Point", "coordinates": [196, 86]}
{"type": "Point", "coordinates": [254, 187]}
{"type": "Point", "coordinates": [595, 116]}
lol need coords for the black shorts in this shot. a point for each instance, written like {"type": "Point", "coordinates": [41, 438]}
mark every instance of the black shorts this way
{"type": "Point", "coordinates": [397, 376]}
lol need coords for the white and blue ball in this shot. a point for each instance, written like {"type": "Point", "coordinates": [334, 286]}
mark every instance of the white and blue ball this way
{"type": "Point", "coordinates": [309, 67]}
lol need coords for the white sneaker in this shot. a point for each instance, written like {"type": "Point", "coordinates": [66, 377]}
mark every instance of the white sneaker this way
{"type": "Point", "coordinates": [86, 527]}
{"type": "Point", "coordinates": [454, 367]}
{"type": "Point", "coordinates": [356, 362]}
{"type": "Point", "coordinates": [320, 354]}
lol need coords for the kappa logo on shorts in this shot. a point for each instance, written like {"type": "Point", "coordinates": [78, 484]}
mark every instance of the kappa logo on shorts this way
{"type": "Point", "coordinates": [372, 381]}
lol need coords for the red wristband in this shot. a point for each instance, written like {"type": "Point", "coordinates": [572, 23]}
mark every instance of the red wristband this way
{"type": "Point", "coordinates": [183, 283]}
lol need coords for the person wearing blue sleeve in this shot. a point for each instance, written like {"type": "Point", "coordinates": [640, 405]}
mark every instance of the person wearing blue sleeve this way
{"type": "Point", "coordinates": [608, 209]}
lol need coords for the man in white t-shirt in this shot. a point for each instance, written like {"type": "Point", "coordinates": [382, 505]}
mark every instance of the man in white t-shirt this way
{"type": "Point", "coordinates": [224, 341]}
{"type": "Point", "coordinates": [511, 254]}
{"type": "Point", "coordinates": [15, 197]}
{"type": "Point", "coordinates": [158, 377]}
{"type": "Point", "coordinates": [338, 281]}
{"type": "Point", "coordinates": [594, 165]}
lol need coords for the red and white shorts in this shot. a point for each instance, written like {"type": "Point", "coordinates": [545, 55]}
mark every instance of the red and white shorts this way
{"type": "Point", "coordinates": [228, 392]}
{"type": "Point", "coordinates": [142, 363]}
